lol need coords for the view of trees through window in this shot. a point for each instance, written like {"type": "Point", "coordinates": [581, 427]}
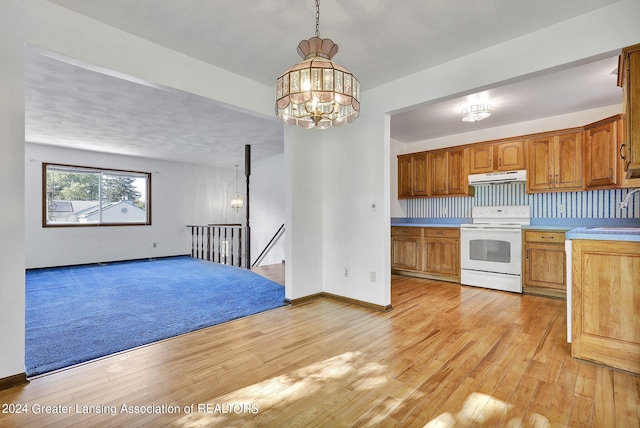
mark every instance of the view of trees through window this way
{"type": "Point", "coordinates": [84, 196]}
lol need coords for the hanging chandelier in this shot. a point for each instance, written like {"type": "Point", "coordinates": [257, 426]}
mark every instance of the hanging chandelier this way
{"type": "Point", "coordinates": [236, 199]}
{"type": "Point", "coordinates": [317, 93]}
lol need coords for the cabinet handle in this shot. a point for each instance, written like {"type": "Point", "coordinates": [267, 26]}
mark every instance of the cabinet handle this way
{"type": "Point", "coordinates": [621, 156]}
{"type": "Point", "coordinates": [548, 237]}
{"type": "Point", "coordinates": [527, 254]}
{"type": "Point", "coordinates": [550, 178]}
{"type": "Point", "coordinates": [499, 161]}
{"type": "Point", "coordinates": [610, 172]}
{"type": "Point", "coordinates": [556, 178]}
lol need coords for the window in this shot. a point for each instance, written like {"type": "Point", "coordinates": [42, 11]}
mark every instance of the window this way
{"type": "Point", "coordinates": [82, 196]}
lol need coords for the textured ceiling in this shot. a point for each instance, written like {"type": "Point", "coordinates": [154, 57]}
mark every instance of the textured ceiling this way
{"type": "Point", "coordinates": [71, 106]}
{"type": "Point", "coordinates": [380, 41]}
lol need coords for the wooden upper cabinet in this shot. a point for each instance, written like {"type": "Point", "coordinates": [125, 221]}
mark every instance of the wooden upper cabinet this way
{"type": "Point", "coordinates": [505, 156]}
{"type": "Point", "coordinates": [448, 173]}
{"type": "Point", "coordinates": [481, 159]}
{"type": "Point", "coordinates": [629, 79]}
{"type": "Point", "coordinates": [568, 161]}
{"type": "Point", "coordinates": [440, 173]}
{"type": "Point", "coordinates": [404, 176]}
{"type": "Point", "coordinates": [511, 155]}
{"type": "Point", "coordinates": [458, 181]}
{"type": "Point", "coordinates": [601, 154]}
{"type": "Point", "coordinates": [421, 174]}
{"type": "Point", "coordinates": [554, 163]}
{"type": "Point", "coordinates": [413, 175]}
{"type": "Point", "coordinates": [540, 159]}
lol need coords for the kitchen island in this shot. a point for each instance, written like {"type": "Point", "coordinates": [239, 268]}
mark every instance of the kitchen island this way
{"type": "Point", "coordinates": [604, 298]}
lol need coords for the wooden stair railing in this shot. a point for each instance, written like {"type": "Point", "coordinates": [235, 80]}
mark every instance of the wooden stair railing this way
{"type": "Point", "coordinates": [221, 243]}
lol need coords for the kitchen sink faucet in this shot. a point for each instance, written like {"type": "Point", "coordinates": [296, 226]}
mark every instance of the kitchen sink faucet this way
{"type": "Point", "coordinates": [625, 201]}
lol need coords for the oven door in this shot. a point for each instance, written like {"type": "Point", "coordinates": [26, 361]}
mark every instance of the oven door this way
{"type": "Point", "coordinates": [491, 249]}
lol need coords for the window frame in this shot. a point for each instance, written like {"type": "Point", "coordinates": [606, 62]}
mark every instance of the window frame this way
{"type": "Point", "coordinates": [106, 171]}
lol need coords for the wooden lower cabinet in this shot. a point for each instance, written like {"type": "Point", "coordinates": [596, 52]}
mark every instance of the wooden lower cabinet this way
{"type": "Point", "coordinates": [606, 303]}
{"type": "Point", "coordinates": [429, 252]}
{"type": "Point", "coordinates": [441, 252]}
{"type": "Point", "coordinates": [405, 248]}
{"type": "Point", "coordinates": [544, 263]}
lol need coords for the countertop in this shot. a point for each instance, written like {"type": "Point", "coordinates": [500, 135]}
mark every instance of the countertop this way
{"type": "Point", "coordinates": [605, 233]}
{"type": "Point", "coordinates": [575, 228]}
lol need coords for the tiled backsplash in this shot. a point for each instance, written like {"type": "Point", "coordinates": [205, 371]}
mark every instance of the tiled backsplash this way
{"type": "Point", "coordinates": [589, 204]}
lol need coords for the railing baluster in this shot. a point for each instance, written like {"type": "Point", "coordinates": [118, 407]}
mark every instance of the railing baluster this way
{"type": "Point", "coordinates": [220, 243]}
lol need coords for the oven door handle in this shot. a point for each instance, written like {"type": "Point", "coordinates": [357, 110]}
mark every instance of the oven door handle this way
{"type": "Point", "coordinates": [490, 229]}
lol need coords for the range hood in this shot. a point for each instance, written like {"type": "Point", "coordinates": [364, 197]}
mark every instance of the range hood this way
{"type": "Point", "coordinates": [497, 177]}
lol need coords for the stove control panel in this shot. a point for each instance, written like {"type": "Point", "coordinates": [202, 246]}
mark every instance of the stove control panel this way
{"type": "Point", "coordinates": [520, 214]}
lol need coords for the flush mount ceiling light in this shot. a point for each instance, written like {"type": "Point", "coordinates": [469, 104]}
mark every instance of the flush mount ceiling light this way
{"type": "Point", "coordinates": [476, 112]}
{"type": "Point", "coordinates": [317, 93]}
{"type": "Point", "coordinates": [236, 199]}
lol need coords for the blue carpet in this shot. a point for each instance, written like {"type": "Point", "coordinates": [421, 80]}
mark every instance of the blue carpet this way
{"type": "Point", "coordinates": [77, 314]}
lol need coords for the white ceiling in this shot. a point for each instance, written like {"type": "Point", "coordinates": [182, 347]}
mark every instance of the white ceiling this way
{"type": "Point", "coordinates": [380, 41]}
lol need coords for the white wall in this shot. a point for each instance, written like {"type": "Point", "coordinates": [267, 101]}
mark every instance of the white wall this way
{"type": "Point", "coordinates": [182, 194]}
{"type": "Point", "coordinates": [303, 212]}
{"type": "Point", "coordinates": [267, 208]}
{"type": "Point", "coordinates": [12, 257]}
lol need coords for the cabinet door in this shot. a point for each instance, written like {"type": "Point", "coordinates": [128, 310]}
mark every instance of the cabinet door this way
{"type": "Point", "coordinates": [545, 266]}
{"type": "Point", "coordinates": [606, 303]}
{"type": "Point", "coordinates": [480, 159]}
{"type": "Point", "coordinates": [629, 79]}
{"type": "Point", "coordinates": [405, 253]}
{"type": "Point", "coordinates": [439, 173]}
{"type": "Point", "coordinates": [421, 175]}
{"type": "Point", "coordinates": [601, 156]}
{"type": "Point", "coordinates": [540, 164]}
{"type": "Point", "coordinates": [441, 257]}
{"type": "Point", "coordinates": [458, 180]}
{"type": "Point", "coordinates": [405, 177]}
{"type": "Point", "coordinates": [568, 161]}
{"type": "Point", "coordinates": [510, 155]}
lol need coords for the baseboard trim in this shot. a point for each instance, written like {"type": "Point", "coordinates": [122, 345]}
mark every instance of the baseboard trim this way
{"type": "Point", "coordinates": [303, 300]}
{"type": "Point", "coordinates": [15, 380]}
{"type": "Point", "coordinates": [312, 297]}
{"type": "Point", "coordinates": [373, 306]}
{"type": "Point", "coordinates": [425, 275]}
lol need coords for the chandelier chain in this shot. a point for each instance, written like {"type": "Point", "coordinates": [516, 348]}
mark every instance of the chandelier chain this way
{"type": "Point", "coordinates": [317, 18]}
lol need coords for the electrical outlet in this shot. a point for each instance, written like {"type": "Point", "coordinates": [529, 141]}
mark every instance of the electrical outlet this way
{"type": "Point", "coordinates": [372, 276]}
{"type": "Point", "coordinates": [346, 272]}
{"type": "Point", "coordinates": [155, 245]}
{"type": "Point", "coordinates": [562, 209]}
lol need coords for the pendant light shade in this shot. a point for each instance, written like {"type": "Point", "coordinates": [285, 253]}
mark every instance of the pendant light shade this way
{"type": "Point", "coordinates": [236, 199]}
{"type": "Point", "coordinates": [317, 93]}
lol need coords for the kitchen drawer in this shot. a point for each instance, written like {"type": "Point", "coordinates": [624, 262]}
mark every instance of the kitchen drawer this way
{"type": "Point", "coordinates": [436, 232]}
{"type": "Point", "coordinates": [548, 236]}
{"type": "Point", "coordinates": [406, 231]}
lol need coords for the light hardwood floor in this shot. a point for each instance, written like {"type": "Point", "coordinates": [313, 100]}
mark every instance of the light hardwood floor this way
{"type": "Point", "coordinates": [446, 355]}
